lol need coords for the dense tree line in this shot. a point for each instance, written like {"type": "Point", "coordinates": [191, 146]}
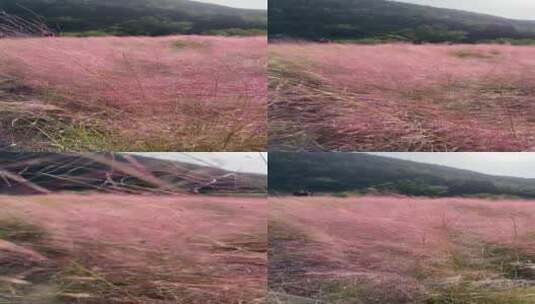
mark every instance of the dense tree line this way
{"type": "Point", "coordinates": [370, 21]}
{"type": "Point", "coordinates": [137, 17]}
{"type": "Point", "coordinates": [357, 172]}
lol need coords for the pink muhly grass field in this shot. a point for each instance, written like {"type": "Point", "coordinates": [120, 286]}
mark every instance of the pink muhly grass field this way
{"type": "Point", "coordinates": [187, 92]}
{"type": "Point", "coordinates": [411, 97]}
{"type": "Point", "coordinates": [142, 249]}
{"type": "Point", "coordinates": [405, 245]}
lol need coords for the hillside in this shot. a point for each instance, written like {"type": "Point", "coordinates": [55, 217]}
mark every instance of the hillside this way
{"type": "Point", "coordinates": [27, 173]}
{"type": "Point", "coordinates": [138, 17]}
{"type": "Point", "coordinates": [339, 172]}
{"type": "Point", "coordinates": [381, 20]}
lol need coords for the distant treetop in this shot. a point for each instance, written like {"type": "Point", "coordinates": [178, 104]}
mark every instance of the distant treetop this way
{"type": "Point", "coordinates": [138, 17]}
{"type": "Point", "coordinates": [375, 21]}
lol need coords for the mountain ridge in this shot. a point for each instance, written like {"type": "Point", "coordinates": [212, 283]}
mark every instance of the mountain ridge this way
{"type": "Point", "coordinates": [389, 20]}
{"type": "Point", "coordinates": [340, 172]}
{"type": "Point", "coordinates": [138, 17]}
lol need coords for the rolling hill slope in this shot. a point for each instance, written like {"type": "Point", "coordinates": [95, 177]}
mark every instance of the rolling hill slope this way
{"type": "Point", "coordinates": [339, 172]}
{"type": "Point", "coordinates": [388, 20]}
{"type": "Point", "coordinates": [29, 173]}
{"type": "Point", "coordinates": [138, 17]}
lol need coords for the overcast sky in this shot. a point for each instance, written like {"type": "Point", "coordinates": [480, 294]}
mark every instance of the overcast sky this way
{"type": "Point", "coordinates": [516, 9]}
{"type": "Point", "coordinates": [506, 164]}
{"type": "Point", "coordinates": [248, 162]}
{"type": "Point", "coordinates": [255, 4]}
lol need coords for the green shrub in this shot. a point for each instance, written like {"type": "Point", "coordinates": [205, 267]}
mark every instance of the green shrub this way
{"type": "Point", "coordinates": [237, 32]}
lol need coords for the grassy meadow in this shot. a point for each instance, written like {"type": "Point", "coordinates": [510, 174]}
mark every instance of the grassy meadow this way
{"type": "Point", "coordinates": [171, 93]}
{"type": "Point", "coordinates": [401, 97]}
{"type": "Point", "coordinates": [146, 249]}
{"type": "Point", "coordinates": [396, 249]}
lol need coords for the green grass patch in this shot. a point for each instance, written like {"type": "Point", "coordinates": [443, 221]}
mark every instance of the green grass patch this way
{"type": "Point", "coordinates": [16, 230]}
{"type": "Point", "coordinates": [183, 44]}
{"type": "Point", "coordinates": [49, 132]}
{"type": "Point", "coordinates": [44, 120]}
{"type": "Point", "coordinates": [473, 262]}
{"type": "Point", "coordinates": [93, 33]}
{"type": "Point", "coordinates": [237, 32]}
{"type": "Point", "coordinates": [276, 297]}
{"type": "Point", "coordinates": [341, 291]}
{"type": "Point", "coordinates": [472, 255]}
{"type": "Point", "coordinates": [85, 137]}
{"type": "Point", "coordinates": [468, 294]}
{"type": "Point", "coordinates": [76, 280]}
{"type": "Point", "coordinates": [472, 54]}
{"type": "Point", "coordinates": [367, 41]}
